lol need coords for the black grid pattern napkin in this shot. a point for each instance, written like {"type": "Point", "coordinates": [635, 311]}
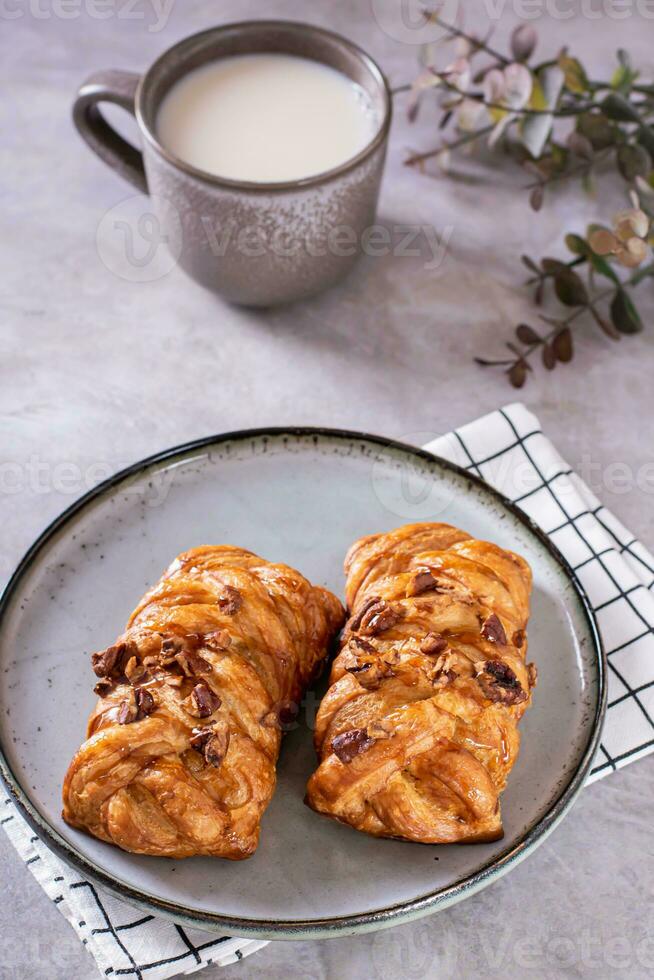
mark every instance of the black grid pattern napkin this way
{"type": "Point", "coordinates": [124, 942]}
{"type": "Point", "coordinates": [507, 449]}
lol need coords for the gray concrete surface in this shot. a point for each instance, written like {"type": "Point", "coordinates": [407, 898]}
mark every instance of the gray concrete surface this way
{"type": "Point", "coordinates": [99, 370]}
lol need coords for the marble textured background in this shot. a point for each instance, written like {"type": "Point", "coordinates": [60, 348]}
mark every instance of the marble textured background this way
{"type": "Point", "coordinates": [99, 370]}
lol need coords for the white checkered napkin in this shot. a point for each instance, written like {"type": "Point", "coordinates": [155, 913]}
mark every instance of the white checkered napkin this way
{"type": "Point", "coordinates": [508, 450]}
{"type": "Point", "coordinates": [124, 942]}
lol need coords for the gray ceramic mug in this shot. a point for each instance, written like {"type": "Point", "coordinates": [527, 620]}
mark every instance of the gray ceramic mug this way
{"type": "Point", "coordinates": [255, 243]}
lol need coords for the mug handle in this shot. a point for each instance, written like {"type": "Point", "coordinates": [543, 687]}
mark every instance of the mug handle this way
{"type": "Point", "coordinates": [118, 87]}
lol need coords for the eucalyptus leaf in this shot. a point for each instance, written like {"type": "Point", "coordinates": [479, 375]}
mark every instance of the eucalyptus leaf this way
{"type": "Point", "coordinates": [562, 345]}
{"type": "Point", "coordinates": [553, 267]}
{"type": "Point", "coordinates": [535, 130]}
{"type": "Point", "coordinates": [549, 357]}
{"type": "Point", "coordinates": [570, 288]}
{"type": "Point", "coordinates": [527, 335]}
{"type": "Point", "coordinates": [624, 314]}
{"type": "Point", "coordinates": [523, 42]}
{"type": "Point", "coordinates": [633, 161]}
{"type": "Point", "coordinates": [604, 324]}
{"type": "Point", "coordinates": [601, 266]}
{"type": "Point", "coordinates": [646, 138]}
{"type": "Point", "coordinates": [575, 77]}
{"type": "Point", "coordinates": [518, 86]}
{"type": "Point", "coordinates": [597, 128]}
{"type": "Point", "coordinates": [616, 107]}
{"type": "Point", "coordinates": [518, 374]}
{"type": "Point", "coordinates": [623, 78]}
{"type": "Point", "coordinates": [498, 130]}
{"type": "Point", "coordinates": [580, 145]}
{"type": "Point", "coordinates": [577, 245]}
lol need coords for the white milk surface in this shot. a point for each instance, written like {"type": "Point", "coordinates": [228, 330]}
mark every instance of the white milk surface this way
{"type": "Point", "coordinates": [265, 118]}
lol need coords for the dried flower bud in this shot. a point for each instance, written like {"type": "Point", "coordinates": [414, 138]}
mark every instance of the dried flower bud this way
{"type": "Point", "coordinates": [523, 42]}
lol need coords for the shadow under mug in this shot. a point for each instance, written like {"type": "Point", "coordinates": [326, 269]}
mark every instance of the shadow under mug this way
{"type": "Point", "coordinates": [258, 244]}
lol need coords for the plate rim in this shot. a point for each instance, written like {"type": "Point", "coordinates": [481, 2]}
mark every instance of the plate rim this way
{"type": "Point", "coordinates": [332, 926]}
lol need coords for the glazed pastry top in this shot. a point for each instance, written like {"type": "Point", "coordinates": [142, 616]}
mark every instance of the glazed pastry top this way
{"type": "Point", "coordinates": [182, 743]}
{"type": "Point", "coordinates": [418, 730]}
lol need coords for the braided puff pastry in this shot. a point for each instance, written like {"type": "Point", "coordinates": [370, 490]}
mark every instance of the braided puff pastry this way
{"type": "Point", "coordinates": [419, 728]}
{"type": "Point", "coordinates": [182, 745]}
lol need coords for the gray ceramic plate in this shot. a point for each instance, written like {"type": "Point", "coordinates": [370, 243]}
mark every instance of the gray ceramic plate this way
{"type": "Point", "coordinates": [299, 496]}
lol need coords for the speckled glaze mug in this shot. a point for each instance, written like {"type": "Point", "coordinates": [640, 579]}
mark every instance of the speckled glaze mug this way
{"type": "Point", "coordinates": [259, 244]}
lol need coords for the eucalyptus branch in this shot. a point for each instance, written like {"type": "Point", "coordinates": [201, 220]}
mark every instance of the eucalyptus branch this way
{"type": "Point", "coordinates": [433, 18]}
{"type": "Point", "coordinates": [416, 158]}
{"type": "Point", "coordinates": [611, 118]}
{"type": "Point", "coordinates": [556, 345]}
{"type": "Point", "coordinates": [534, 345]}
{"type": "Point", "coordinates": [574, 171]}
{"type": "Point", "coordinates": [612, 122]}
{"type": "Point", "coordinates": [561, 112]}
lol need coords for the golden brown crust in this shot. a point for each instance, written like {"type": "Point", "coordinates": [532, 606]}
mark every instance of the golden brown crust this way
{"type": "Point", "coordinates": [182, 745]}
{"type": "Point", "coordinates": [418, 731]}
